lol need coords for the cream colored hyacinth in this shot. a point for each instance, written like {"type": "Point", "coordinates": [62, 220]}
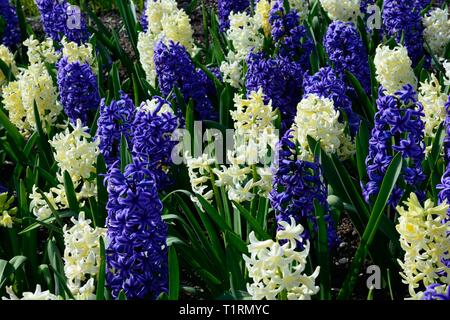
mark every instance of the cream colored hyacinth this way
{"type": "Point", "coordinates": [82, 256]}
{"type": "Point", "coordinates": [199, 170]}
{"type": "Point", "coordinates": [76, 153]}
{"type": "Point", "coordinates": [8, 58]}
{"type": "Point", "coordinates": [342, 10]}
{"type": "Point", "coordinates": [394, 68]}
{"type": "Point", "coordinates": [75, 52]}
{"type": "Point", "coordinates": [33, 85]}
{"type": "Point", "coordinates": [437, 30]}
{"type": "Point", "coordinates": [7, 211]}
{"type": "Point", "coordinates": [278, 270]}
{"type": "Point", "coordinates": [247, 172]}
{"type": "Point", "coordinates": [425, 238]}
{"type": "Point", "coordinates": [446, 65]}
{"type": "Point", "coordinates": [244, 33]}
{"type": "Point", "coordinates": [433, 101]}
{"type": "Point", "coordinates": [255, 139]}
{"type": "Point", "coordinates": [38, 294]}
{"type": "Point", "coordinates": [165, 22]}
{"type": "Point", "coordinates": [316, 117]}
{"type": "Point", "coordinates": [40, 52]}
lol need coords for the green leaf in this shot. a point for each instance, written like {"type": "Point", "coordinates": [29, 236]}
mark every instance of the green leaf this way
{"type": "Point", "coordinates": [387, 186]}
{"type": "Point", "coordinates": [100, 292]}
{"type": "Point", "coordinates": [174, 274]}
{"type": "Point", "coordinates": [252, 222]}
{"type": "Point", "coordinates": [70, 193]}
{"type": "Point", "coordinates": [323, 254]}
{"type": "Point", "coordinates": [11, 129]}
{"type": "Point", "coordinates": [125, 156]}
{"type": "Point", "coordinates": [6, 270]}
{"type": "Point", "coordinates": [122, 295]}
{"type": "Point", "coordinates": [236, 242]}
{"type": "Point", "coordinates": [368, 108]}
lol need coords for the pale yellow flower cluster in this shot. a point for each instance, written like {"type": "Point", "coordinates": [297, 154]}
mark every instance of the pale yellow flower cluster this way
{"type": "Point", "coordinates": [244, 34]}
{"type": "Point", "coordinates": [342, 10]}
{"type": "Point", "coordinates": [278, 270]}
{"type": "Point", "coordinates": [248, 171]}
{"type": "Point", "coordinates": [425, 238]}
{"type": "Point", "coordinates": [6, 211]}
{"type": "Point", "coordinates": [316, 117]}
{"type": "Point", "coordinates": [38, 294]}
{"type": "Point", "coordinates": [82, 256]}
{"type": "Point", "coordinates": [75, 52]}
{"type": "Point", "coordinates": [433, 101]}
{"type": "Point", "coordinates": [165, 22]}
{"type": "Point", "coordinates": [255, 139]}
{"type": "Point", "coordinates": [437, 30]}
{"type": "Point", "coordinates": [394, 68]}
{"type": "Point", "coordinates": [76, 153]}
{"type": "Point", "coordinates": [8, 58]}
{"type": "Point", "coordinates": [41, 52]}
{"type": "Point", "coordinates": [34, 85]}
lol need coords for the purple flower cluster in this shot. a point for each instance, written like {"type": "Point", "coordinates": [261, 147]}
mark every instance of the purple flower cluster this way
{"type": "Point", "coordinates": [136, 254]}
{"type": "Point", "coordinates": [365, 4]}
{"type": "Point", "coordinates": [292, 39]}
{"type": "Point", "coordinates": [144, 21]}
{"type": "Point", "coordinates": [114, 121]}
{"type": "Point", "coordinates": [175, 68]}
{"type": "Point", "coordinates": [10, 35]}
{"type": "Point", "coordinates": [152, 139]}
{"type": "Point", "coordinates": [297, 184]}
{"type": "Point", "coordinates": [347, 52]}
{"type": "Point", "coordinates": [281, 76]}
{"type": "Point", "coordinates": [327, 84]}
{"type": "Point", "coordinates": [397, 129]}
{"type": "Point", "coordinates": [444, 186]}
{"type": "Point", "coordinates": [402, 19]}
{"type": "Point", "coordinates": [431, 294]}
{"type": "Point", "coordinates": [225, 7]}
{"type": "Point", "coordinates": [62, 19]}
{"type": "Point", "coordinates": [280, 80]}
{"type": "Point", "coordinates": [78, 89]}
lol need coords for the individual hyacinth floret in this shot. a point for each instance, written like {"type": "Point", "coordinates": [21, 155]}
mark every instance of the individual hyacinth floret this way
{"type": "Point", "coordinates": [402, 20]}
{"type": "Point", "coordinates": [63, 19]}
{"type": "Point", "coordinates": [347, 52]}
{"type": "Point", "coordinates": [136, 254]}
{"type": "Point", "coordinates": [399, 118]}
{"type": "Point", "coordinates": [175, 68]}
{"type": "Point", "coordinates": [115, 120]}
{"type": "Point", "coordinates": [277, 268]}
{"type": "Point", "coordinates": [10, 35]}
{"type": "Point", "coordinates": [327, 84]}
{"type": "Point", "coordinates": [154, 137]}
